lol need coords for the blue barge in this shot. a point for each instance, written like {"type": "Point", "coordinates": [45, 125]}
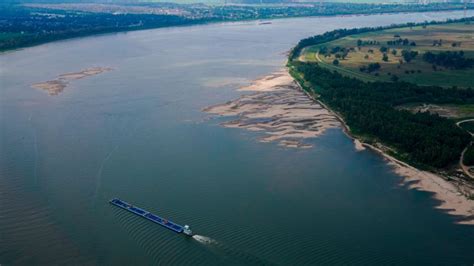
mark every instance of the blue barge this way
{"type": "Point", "coordinates": [152, 217]}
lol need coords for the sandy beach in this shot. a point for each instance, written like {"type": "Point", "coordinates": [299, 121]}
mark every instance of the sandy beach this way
{"type": "Point", "coordinates": [56, 86]}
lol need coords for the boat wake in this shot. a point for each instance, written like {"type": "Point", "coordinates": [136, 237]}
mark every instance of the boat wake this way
{"type": "Point", "coordinates": [204, 239]}
{"type": "Point", "coordinates": [231, 255]}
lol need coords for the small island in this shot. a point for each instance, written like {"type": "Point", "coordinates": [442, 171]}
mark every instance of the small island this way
{"type": "Point", "coordinates": [56, 86]}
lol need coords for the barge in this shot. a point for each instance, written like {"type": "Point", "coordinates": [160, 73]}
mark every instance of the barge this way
{"type": "Point", "coordinates": [152, 217]}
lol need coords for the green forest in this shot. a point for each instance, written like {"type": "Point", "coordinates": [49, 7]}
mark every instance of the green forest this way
{"type": "Point", "coordinates": [423, 139]}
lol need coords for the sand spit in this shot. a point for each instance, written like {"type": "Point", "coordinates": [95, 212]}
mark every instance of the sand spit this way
{"type": "Point", "coordinates": [358, 145]}
{"type": "Point", "coordinates": [270, 82]}
{"type": "Point", "coordinates": [56, 86]}
{"type": "Point", "coordinates": [450, 195]}
{"type": "Point", "coordinates": [280, 109]}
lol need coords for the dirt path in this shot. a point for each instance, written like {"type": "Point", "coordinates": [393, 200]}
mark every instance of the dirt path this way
{"type": "Point", "coordinates": [464, 167]}
{"type": "Point", "coordinates": [463, 121]}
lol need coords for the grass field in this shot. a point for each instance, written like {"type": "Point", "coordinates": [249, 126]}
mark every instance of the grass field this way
{"type": "Point", "coordinates": [457, 112]}
{"type": "Point", "coordinates": [416, 71]}
{"type": "Point", "coordinates": [8, 35]}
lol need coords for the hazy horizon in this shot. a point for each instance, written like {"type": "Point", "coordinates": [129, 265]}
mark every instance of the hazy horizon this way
{"type": "Point", "coordinates": [228, 1]}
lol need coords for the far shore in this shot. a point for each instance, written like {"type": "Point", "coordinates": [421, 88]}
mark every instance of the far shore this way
{"type": "Point", "coordinates": [201, 23]}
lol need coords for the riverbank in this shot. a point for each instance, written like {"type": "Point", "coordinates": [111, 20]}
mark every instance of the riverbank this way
{"type": "Point", "coordinates": [453, 196]}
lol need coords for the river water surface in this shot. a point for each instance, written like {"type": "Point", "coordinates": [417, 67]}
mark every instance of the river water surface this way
{"type": "Point", "coordinates": [138, 133]}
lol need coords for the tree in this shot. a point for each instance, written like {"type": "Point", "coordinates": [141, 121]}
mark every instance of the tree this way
{"type": "Point", "coordinates": [385, 57]}
{"type": "Point", "coordinates": [370, 68]}
{"type": "Point", "coordinates": [409, 55]}
{"type": "Point", "coordinates": [323, 50]}
{"type": "Point", "coordinates": [335, 62]}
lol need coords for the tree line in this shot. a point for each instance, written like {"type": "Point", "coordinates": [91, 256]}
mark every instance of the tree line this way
{"type": "Point", "coordinates": [31, 26]}
{"type": "Point", "coordinates": [448, 59]}
{"type": "Point", "coordinates": [369, 109]}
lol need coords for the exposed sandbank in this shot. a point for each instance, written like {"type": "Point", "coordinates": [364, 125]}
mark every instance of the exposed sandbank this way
{"type": "Point", "coordinates": [278, 108]}
{"type": "Point", "coordinates": [56, 86]}
{"type": "Point", "coordinates": [451, 197]}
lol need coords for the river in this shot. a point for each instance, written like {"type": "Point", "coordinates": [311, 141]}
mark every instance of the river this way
{"type": "Point", "coordinates": [138, 133]}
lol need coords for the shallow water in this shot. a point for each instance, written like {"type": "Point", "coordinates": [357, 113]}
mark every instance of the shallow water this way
{"type": "Point", "coordinates": [138, 133]}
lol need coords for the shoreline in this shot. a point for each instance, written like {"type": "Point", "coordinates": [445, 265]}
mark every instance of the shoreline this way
{"type": "Point", "coordinates": [204, 23]}
{"type": "Point", "coordinates": [452, 197]}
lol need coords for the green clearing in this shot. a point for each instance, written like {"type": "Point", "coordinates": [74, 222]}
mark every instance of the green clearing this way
{"type": "Point", "coordinates": [457, 112]}
{"type": "Point", "coordinates": [467, 109]}
{"type": "Point", "coordinates": [7, 35]}
{"type": "Point", "coordinates": [416, 71]}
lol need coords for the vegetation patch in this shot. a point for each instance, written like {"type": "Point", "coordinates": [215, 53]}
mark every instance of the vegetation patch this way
{"type": "Point", "coordinates": [430, 54]}
{"type": "Point", "coordinates": [423, 139]}
{"type": "Point", "coordinates": [453, 111]}
{"type": "Point", "coordinates": [452, 60]}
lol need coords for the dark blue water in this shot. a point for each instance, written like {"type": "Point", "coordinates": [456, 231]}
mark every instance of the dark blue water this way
{"type": "Point", "coordinates": [138, 133]}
